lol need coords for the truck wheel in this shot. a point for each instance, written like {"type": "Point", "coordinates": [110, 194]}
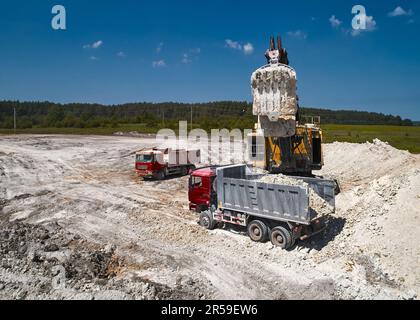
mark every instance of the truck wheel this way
{"type": "Point", "coordinates": [281, 237]}
{"type": "Point", "coordinates": [206, 220]}
{"type": "Point", "coordinates": [161, 175]}
{"type": "Point", "coordinates": [257, 231]}
{"type": "Point", "coordinates": [184, 171]}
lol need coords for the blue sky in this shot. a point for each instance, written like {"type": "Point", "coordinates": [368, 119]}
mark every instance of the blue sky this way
{"type": "Point", "coordinates": [127, 51]}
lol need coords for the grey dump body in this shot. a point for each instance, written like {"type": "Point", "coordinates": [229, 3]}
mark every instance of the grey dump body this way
{"type": "Point", "coordinates": [238, 189]}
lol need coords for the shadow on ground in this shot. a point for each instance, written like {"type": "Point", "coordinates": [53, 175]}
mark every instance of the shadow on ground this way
{"type": "Point", "coordinates": [319, 241]}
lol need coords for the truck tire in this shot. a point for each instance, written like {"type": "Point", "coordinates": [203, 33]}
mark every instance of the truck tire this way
{"type": "Point", "coordinates": [281, 237]}
{"type": "Point", "coordinates": [161, 175]}
{"type": "Point", "coordinates": [184, 171]}
{"type": "Point", "coordinates": [206, 220]}
{"type": "Point", "coordinates": [257, 231]}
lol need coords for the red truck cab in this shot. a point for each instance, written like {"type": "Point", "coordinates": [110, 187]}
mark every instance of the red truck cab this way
{"type": "Point", "coordinates": [147, 165]}
{"type": "Point", "coordinates": [201, 189]}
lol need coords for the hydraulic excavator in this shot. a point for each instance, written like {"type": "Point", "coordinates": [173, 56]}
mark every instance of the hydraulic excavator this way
{"type": "Point", "coordinates": [291, 144]}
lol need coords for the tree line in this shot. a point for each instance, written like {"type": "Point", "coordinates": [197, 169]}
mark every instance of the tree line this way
{"type": "Point", "coordinates": [221, 114]}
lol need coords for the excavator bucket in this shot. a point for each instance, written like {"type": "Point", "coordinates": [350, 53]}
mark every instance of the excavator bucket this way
{"type": "Point", "coordinates": [274, 93]}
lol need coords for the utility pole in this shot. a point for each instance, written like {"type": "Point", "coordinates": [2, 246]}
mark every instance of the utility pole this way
{"type": "Point", "coordinates": [14, 120]}
{"type": "Point", "coordinates": [163, 118]}
{"type": "Point", "coordinates": [191, 120]}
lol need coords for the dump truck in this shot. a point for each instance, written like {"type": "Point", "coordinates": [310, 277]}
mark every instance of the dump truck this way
{"type": "Point", "coordinates": [155, 163]}
{"type": "Point", "coordinates": [281, 213]}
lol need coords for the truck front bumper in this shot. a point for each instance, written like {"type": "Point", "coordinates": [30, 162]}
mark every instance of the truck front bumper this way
{"type": "Point", "coordinates": [146, 174]}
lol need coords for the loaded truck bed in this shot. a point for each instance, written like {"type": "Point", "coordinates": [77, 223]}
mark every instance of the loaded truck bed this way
{"type": "Point", "coordinates": [280, 212]}
{"type": "Point", "coordinates": [238, 189]}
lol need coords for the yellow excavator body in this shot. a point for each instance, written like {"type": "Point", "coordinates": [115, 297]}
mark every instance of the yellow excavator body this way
{"type": "Point", "coordinates": [298, 154]}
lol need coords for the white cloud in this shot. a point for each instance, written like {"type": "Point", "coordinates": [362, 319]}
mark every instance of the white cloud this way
{"type": "Point", "coordinates": [233, 44]}
{"type": "Point", "coordinates": [195, 51]}
{"type": "Point", "coordinates": [121, 54]}
{"type": "Point", "coordinates": [192, 54]}
{"type": "Point", "coordinates": [299, 34]}
{"type": "Point", "coordinates": [335, 23]}
{"type": "Point", "coordinates": [186, 59]}
{"type": "Point", "coordinates": [398, 11]}
{"type": "Point", "coordinates": [94, 45]}
{"type": "Point", "coordinates": [97, 44]}
{"type": "Point", "coordinates": [370, 26]}
{"type": "Point", "coordinates": [93, 58]}
{"type": "Point", "coordinates": [248, 48]}
{"type": "Point", "coordinates": [159, 64]}
{"type": "Point", "coordinates": [159, 47]}
{"type": "Point", "coordinates": [411, 21]}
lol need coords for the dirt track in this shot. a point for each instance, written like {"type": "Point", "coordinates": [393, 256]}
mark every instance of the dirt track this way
{"type": "Point", "coordinates": [83, 191]}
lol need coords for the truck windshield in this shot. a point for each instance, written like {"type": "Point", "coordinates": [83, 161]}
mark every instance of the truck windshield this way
{"type": "Point", "coordinates": [144, 158]}
{"type": "Point", "coordinates": [196, 182]}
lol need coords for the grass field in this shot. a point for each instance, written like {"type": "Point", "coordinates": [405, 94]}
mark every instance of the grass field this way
{"type": "Point", "coordinates": [405, 138]}
{"type": "Point", "coordinates": [99, 131]}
